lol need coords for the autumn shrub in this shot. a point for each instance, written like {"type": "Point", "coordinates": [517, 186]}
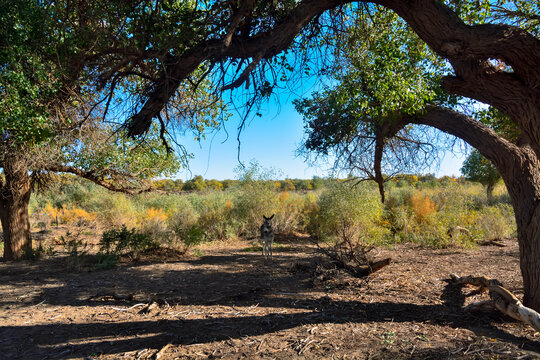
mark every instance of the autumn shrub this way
{"type": "Point", "coordinates": [412, 212]}
{"type": "Point", "coordinates": [310, 212]}
{"type": "Point", "coordinates": [429, 217]}
{"type": "Point", "coordinates": [76, 216]}
{"type": "Point", "coordinates": [424, 217]}
{"type": "Point", "coordinates": [52, 212]}
{"type": "Point", "coordinates": [289, 214]}
{"type": "Point", "coordinates": [183, 223]}
{"type": "Point", "coordinates": [185, 212]}
{"type": "Point", "coordinates": [154, 223]}
{"type": "Point", "coordinates": [251, 202]}
{"type": "Point", "coordinates": [433, 235]}
{"type": "Point", "coordinates": [398, 219]}
{"type": "Point", "coordinates": [169, 203]}
{"type": "Point", "coordinates": [116, 210]}
{"type": "Point", "coordinates": [422, 207]}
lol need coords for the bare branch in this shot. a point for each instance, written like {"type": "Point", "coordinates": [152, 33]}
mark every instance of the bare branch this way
{"type": "Point", "coordinates": [245, 74]}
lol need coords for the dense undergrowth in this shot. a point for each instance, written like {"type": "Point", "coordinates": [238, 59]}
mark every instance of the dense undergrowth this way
{"type": "Point", "coordinates": [424, 212]}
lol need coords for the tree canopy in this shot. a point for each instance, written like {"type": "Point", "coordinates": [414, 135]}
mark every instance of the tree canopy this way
{"type": "Point", "coordinates": [383, 72]}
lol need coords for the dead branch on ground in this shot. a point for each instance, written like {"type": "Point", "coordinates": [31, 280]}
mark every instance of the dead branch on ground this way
{"type": "Point", "coordinates": [503, 299]}
{"type": "Point", "coordinates": [353, 258]}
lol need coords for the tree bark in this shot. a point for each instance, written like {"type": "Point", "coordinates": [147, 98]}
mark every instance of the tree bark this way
{"type": "Point", "coordinates": [15, 190]}
{"type": "Point", "coordinates": [523, 183]}
{"type": "Point", "coordinates": [516, 93]}
{"type": "Point", "coordinates": [377, 159]}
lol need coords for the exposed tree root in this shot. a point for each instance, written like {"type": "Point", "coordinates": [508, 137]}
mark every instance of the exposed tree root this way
{"type": "Point", "coordinates": [504, 300]}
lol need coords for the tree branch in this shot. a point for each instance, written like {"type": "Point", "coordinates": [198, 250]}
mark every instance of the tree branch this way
{"type": "Point", "coordinates": [263, 45]}
{"type": "Point", "coordinates": [451, 38]}
{"type": "Point", "coordinates": [470, 50]}
{"type": "Point", "coordinates": [246, 7]}
{"type": "Point", "coordinates": [99, 178]}
{"type": "Point", "coordinates": [478, 135]}
{"type": "Point", "coordinates": [245, 74]}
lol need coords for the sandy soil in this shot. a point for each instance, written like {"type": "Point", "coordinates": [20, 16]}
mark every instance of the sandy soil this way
{"type": "Point", "coordinates": [229, 303]}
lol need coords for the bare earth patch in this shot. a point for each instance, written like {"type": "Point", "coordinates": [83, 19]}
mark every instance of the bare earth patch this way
{"type": "Point", "coordinates": [230, 304]}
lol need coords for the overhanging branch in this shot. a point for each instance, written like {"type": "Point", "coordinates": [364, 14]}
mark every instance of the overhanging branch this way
{"type": "Point", "coordinates": [476, 134]}
{"type": "Point", "coordinates": [100, 179]}
{"type": "Point", "coordinates": [262, 45]}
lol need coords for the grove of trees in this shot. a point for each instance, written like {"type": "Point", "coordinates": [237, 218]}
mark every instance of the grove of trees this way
{"type": "Point", "coordinates": [167, 64]}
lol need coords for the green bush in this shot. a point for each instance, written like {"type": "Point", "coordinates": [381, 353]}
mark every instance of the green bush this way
{"type": "Point", "coordinates": [190, 236]}
{"type": "Point", "coordinates": [255, 199]}
{"type": "Point", "coordinates": [291, 209]}
{"type": "Point", "coordinates": [216, 216]}
{"type": "Point", "coordinates": [120, 241]}
{"type": "Point", "coordinates": [348, 212]}
{"type": "Point", "coordinates": [169, 203]}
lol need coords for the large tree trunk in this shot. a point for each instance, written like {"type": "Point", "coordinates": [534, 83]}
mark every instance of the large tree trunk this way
{"type": "Point", "coordinates": [15, 190]}
{"type": "Point", "coordinates": [523, 183]}
{"type": "Point", "coordinates": [529, 250]}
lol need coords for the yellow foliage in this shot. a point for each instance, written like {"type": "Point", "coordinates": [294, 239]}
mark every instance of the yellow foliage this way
{"type": "Point", "coordinates": [51, 211]}
{"type": "Point", "coordinates": [283, 196]}
{"type": "Point", "coordinates": [155, 215]}
{"type": "Point", "coordinates": [422, 206]}
{"type": "Point", "coordinates": [76, 215]}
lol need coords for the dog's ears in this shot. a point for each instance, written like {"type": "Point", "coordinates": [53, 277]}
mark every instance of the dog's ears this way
{"type": "Point", "coordinates": [270, 218]}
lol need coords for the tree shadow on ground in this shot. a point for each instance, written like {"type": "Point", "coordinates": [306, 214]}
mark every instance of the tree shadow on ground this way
{"type": "Point", "coordinates": [64, 339]}
{"type": "Point", "coordinates": [224, 279]}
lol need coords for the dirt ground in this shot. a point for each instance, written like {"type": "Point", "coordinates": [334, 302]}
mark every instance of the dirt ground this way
{"type": "Point", "coordinates": [229, 303]}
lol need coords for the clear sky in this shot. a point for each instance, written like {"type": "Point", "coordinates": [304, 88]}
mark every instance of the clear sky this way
{"type": "Point", "coordinates": [272, 141]}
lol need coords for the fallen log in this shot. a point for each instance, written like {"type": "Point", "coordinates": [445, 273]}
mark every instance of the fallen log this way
{"type": "Point", "coordinates": [503, 299]}
{"type": "Point", "coordinates": [494, 242]}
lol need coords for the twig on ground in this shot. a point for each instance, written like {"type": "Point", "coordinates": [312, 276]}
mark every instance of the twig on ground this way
{"type": "Point", "coordinates": [127, 309]}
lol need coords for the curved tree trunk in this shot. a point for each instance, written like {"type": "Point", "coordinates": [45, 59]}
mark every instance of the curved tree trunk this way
{"type": "Point", "coordinates": [15, 190]}
{"type": "Point", "coordinates": [523, 183]}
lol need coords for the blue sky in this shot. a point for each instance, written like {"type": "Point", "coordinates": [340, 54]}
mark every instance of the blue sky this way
{"type": "Point", "coordinates": [272, 141]}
